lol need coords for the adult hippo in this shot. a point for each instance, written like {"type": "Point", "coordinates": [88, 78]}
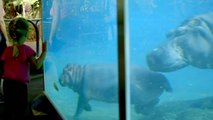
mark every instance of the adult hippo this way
{"type": "Point", "coordinates": [189, 44]}
{"type": "Point", "coordinates": [100, 82]}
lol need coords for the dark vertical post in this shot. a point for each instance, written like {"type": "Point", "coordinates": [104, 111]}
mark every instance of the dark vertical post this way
{"type": "Point", "coordinates": [121, 60]}
{"type": "Point", "coordinates": [37, 36]}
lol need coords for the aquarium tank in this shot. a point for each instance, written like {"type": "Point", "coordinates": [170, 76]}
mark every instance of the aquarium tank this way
{"type": "Point", "coordinates": [168, 58]}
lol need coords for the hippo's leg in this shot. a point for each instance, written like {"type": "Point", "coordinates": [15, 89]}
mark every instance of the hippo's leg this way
{"type": "Point", "coordinates": [146, 108]}
{"type": "Point", "coordinates": [88, 107]}
{"type": "Point", "coordinates": [82, 104]}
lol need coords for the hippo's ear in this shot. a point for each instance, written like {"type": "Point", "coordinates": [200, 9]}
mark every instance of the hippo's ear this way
{"type": "Point", "coordinates": [175, 33]}
{"type": "Point", "coordinates": [68, 67]}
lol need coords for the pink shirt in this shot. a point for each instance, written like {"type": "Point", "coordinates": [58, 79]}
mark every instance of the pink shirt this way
{"type": "Point", "coordinates": [17, 68]}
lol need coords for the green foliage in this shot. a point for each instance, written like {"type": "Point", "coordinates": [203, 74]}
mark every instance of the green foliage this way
{"type": "Point", "coordinates": [24, 8]}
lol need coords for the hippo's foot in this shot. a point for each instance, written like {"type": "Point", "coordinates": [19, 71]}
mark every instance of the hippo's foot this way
{"type": "Point", "coordinates": [82, 105]}
{"type": "Point", "coordinates": [147, 108]}
{"type": "Point", "coordinates": [74, 118]}
{"type": "Point", "coordinates": [88, 107]}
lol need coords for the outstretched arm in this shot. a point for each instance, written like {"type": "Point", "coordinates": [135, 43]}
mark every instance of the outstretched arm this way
{"type": "Point", "coordinates": [39, 61]}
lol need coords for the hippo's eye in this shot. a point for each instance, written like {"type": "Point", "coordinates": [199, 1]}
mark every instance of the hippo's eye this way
{"type": "Point", "coordinates": [62, 80]}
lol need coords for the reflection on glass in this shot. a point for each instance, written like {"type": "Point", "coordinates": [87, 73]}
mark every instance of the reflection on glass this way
{"type": "Point", "coordinates": [82, 45]}
{"type": "Point", "coordinates": [170, 55]}
{"type": "Point", "coordinates": [172, 38]}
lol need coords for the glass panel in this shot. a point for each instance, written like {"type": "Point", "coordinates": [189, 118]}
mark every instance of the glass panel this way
{"type": "Point", "coordinates": [171, 59]}
{"type": "Point", "coordinates": [81, 64]}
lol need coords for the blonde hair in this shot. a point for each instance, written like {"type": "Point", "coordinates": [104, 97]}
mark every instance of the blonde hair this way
{"type": "Point", "coordinates": [18, 30]}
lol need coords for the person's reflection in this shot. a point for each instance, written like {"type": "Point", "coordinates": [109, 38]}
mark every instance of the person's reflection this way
{"type": "Point", "coordinates": [54, 11]}
{"type": "Point", "coordinates": [65, 24]}
{"type": "Point", "coordinates": [110, 18]}
{"type": "Point", "coordinates": [81, 19]}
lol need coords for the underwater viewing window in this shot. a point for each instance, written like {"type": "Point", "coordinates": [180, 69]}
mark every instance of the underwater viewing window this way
{"type": "Point", "coordinates": [131, 59]}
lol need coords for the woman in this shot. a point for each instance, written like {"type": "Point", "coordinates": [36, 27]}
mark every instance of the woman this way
{"type": "Point", "coordinates": [3, 34]}
{"type": "Point", "coordinates": [3, 42]}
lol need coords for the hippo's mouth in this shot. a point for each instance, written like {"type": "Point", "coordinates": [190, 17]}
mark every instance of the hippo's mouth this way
{"type": "Point", "coordinates": [165, 60]}
{"type": "Point", "coordinates": [164, 68]}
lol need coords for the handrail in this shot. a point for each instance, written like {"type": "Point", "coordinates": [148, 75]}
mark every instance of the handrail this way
{"type": "Point", "coordinates": [37, 36]}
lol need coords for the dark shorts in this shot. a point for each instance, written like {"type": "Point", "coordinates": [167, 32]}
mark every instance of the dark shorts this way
{"type": "Point", "coordinates": [15, 95]}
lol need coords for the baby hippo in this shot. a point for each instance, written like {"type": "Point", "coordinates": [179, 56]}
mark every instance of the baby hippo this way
{"type": "Point", "coordinates": [100, 82]}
